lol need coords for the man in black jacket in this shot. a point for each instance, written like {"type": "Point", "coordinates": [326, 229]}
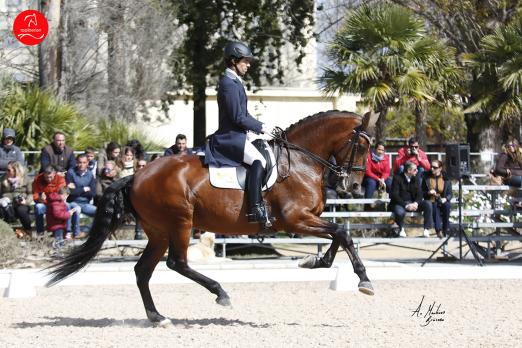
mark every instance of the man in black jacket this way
{"type": "Point", "coordinates": [406, 196]}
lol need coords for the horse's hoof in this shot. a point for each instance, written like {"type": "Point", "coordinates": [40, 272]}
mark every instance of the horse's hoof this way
{"type": "Point", "coordinates": [163, 323]}
{"type": "Point", "coordinates": [308, 261]}
{"type": "Point", "coordinates": [366, 288]}
{"type": "Point", "coordinates": [224, 301]}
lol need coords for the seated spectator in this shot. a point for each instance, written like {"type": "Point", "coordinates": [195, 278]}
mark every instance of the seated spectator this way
{"type": "Point", "coordinates": [377, 175]}
{"type": "Point", "coordinates": [90, 152]}
{"type": "Point", "coordinates": [15, 187]}
{"type": "Point", "coordinates": [82, 186]}
{"type": "Point", "coordinates": [44, 184]}
{"type": "Point", "coordinates": [9, 151]}
{"type": "Point", "coordinates": [179, 147]}
{"type": "Point", "coordinates": [154, 156]}
{"type": "Point", "coordinates": [406, 196]}
{"type": "Point", "coordinates": [412, 153]}
{"type": "Point", "coordinates": [109, 174]}
{"type": "Point", "coordinates": [58, 213]}
{"type": "Point", "coordinates": [509, 164]}
{"type": "Point", "coordinates": [436, 189]}
{"type": "Point", "coordinates": [138, 231]}
{"type": "Point", "coordinates": [58, 155]}
{"type": "Point", "coordinates": [139, 152]}
{"type": "Point", "coordinates": [110, 153]}
{"type": "Point", "coordinates": [127, 162]}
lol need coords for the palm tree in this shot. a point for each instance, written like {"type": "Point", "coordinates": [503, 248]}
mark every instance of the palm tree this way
{"type": "Point", "coordinates": [498, 65]}
{"type": "Point", "coordinates": [384, 54]}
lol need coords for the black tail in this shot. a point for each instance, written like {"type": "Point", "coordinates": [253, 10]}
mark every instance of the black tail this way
{"type": "Point", "coordinates": [109, 213]}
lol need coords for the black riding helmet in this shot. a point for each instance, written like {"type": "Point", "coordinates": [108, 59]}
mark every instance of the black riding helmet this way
{"type": "Point", "coordinates": [237, 50]}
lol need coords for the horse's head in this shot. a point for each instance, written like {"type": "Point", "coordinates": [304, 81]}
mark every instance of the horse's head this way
{"type": "Point", "coordinates": [351, 158]}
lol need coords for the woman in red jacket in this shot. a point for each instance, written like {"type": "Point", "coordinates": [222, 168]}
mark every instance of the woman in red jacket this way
{"type": "Point", "coordinates": [57, 214]}
{"type": "Point", "coordinates": [377, 171]}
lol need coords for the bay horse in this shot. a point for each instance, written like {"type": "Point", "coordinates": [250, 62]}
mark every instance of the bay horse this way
{"type": "Point", "coordinates": [172, 194]}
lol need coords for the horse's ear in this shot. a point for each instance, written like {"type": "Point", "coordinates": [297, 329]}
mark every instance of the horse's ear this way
{"type": "Point", "coordinates": [369, 120]}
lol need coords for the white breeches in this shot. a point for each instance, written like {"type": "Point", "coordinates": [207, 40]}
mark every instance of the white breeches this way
{"type": "Point", "coordinates": [251, 154]}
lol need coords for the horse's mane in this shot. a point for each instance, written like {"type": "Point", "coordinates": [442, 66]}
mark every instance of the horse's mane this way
{"type": "Point", "coordinates": [313, 117]}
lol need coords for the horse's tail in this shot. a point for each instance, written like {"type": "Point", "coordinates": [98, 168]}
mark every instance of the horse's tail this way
{"type": "Point", "coordinates": [111, 208]}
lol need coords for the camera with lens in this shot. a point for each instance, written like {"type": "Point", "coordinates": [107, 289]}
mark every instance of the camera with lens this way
{"type": "Point", "coordinates": [19, 199]}
{"type": "Point", "coordinates": [412, 150]}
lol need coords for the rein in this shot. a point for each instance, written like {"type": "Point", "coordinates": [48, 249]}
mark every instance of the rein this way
{"type": "Point", "coordinates": [342, 170]}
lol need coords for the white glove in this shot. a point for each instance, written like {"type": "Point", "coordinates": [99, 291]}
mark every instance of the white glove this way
{"type": "Point", "coordinates": [267, 129]}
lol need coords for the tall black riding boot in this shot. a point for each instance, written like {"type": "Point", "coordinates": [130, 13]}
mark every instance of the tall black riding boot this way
{"type": "Point", "coordinates": [257, 211]}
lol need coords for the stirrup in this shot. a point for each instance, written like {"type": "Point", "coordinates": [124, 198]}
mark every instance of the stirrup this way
{"type": "Point", "coordinates": [259, 214]}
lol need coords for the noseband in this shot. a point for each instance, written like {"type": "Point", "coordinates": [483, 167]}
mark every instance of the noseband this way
{"type": "Point", "coordinates": [342, 170]}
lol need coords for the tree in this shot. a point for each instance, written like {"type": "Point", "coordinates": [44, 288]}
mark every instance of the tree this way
{"type": "Point", "coordinates": [383, 53]}
{"type": "Point", "coordinates": [265, 25]}
{"type": "Point", "coordinates": [499, 79]}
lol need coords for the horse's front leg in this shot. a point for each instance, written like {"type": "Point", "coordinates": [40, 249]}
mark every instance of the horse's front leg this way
{"type": "Point", "coordinates": [340, 238]}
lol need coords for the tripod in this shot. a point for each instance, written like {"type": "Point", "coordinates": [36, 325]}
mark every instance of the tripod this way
{"type": "Point", "coordinates": [461, 234]}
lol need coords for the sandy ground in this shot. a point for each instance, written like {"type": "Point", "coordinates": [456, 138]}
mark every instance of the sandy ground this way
{"type": "Point", "coordinates": [474, 313]}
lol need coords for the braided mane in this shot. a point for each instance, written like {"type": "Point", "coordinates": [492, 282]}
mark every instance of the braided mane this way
{"type": "Point", "coordinates": [314, 117]}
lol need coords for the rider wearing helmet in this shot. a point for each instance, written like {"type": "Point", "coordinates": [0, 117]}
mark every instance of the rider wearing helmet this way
{"type": "Point", "coordinates": [229, 145]}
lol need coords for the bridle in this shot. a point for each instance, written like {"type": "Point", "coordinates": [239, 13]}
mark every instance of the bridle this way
{"type": "Point", "coordinates": [344, 170]}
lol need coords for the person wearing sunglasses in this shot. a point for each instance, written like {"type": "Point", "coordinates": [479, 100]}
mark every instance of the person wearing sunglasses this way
{"type": "Point", "coordinates": [412, 153]}
{"type": "Point", "coordinates": [436, 189]}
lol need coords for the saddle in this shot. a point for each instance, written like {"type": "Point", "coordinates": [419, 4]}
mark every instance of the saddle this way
{"type": "Point", "coordinates": [235, 177]}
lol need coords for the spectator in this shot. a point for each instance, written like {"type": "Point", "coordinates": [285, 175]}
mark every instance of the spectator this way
{"type": "Point", "coordinates": [179, 147]}
{"type": "Point", "coordinates": [90, 152]}
{"type": "Point", "coordinates": [127, 162]}
{"type": "Point", "coordinates": [411, 152]}
{"type": "Point", "coordinates": [82, 184]}
{"type": "Point", "coordinates": [58, 213]}
{"type": "Point", "coordinates": [436, 189]}
{"type": "Point", "coordinates": [15, 187]}
{"type": "Point", "coordinates": [9, 151]}
{"type": "Point", "coordinates": [509, 167]}
{"type": "Point", "coordinates": [44, 184]}
{"type": "Point", "coordinates": [377, 174]}
{"type": "Point", "coordinates": [111, 153]}
{"type": "Point", "coordinates": [139, 152]}
{"type": "Point", "coordinates": [406, 196]}
{"type": "Point", "coordinates": [154, 156]}
{"type": "Point", "coordinates": [57, 154]}
{"type": "Point", "coordinates": [109, 174]}
{"type": "Point", "coordinates": [509, 164]}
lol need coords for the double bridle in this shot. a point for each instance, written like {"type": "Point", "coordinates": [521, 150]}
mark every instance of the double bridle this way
{"type": "Point", "coordinates": [343, 170]}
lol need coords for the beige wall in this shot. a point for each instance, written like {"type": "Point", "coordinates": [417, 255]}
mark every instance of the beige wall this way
{"type": "Point", "coordinates": [277, 106]}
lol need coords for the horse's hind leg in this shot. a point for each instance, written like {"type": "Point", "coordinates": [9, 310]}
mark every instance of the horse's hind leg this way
{"type": "Point", "coordinates": [152, 254]}
{"type": "Point", "coordinates": [177, 261]}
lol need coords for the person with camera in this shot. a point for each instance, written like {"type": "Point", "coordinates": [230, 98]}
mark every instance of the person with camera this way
{"type": "Point", "coordinates": [436, 189]}
{"type": "Point", "coordinates": [16, 193]}
{"type": "Point", "coordinates": [412, 153]}
{"type": "Point", "coordinates": [406, 196]}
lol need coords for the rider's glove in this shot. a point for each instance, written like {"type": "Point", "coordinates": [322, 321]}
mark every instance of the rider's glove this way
{"type": "Point", "coordinates": [267, 129]}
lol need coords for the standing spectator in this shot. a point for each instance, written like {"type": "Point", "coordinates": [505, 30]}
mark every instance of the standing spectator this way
{"type": "Point", "coordinates": [57, 154]}
{"type": "Point", "coordinates": [412, 153]}
{"type": "Point", "coordinates": [58, 213]}
{"type": "Point", "coordinates": [139, 152]}
{"type": "Point", "coordinates": [44, 184]}
{"type": "Point", "coordinates": [377, 175]}
{"type": "Point", "coordinates": [406, 196]}
{"type": "Point", "coordinates": [109, 174]}
{"type": "Point", "coordinates": [110, 153]}
{"type": "Point", "coordinates": [82, 184]}
{"type": "Point", "coordinates": [9, 151]}
{"type": "Point", "coordinates": [436, 189]}
{"type": "Point", "coordinates": [90, 152]}
{"type": "Point", "coordinates": [127, 162]}
{"type": "Point", "coordinates": [16, 187]}
{"type": "Point", "coordinates": [179, 147]}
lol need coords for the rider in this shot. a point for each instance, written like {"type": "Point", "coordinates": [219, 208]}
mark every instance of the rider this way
{"type": "Point", "coordinates": [229, 146]}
